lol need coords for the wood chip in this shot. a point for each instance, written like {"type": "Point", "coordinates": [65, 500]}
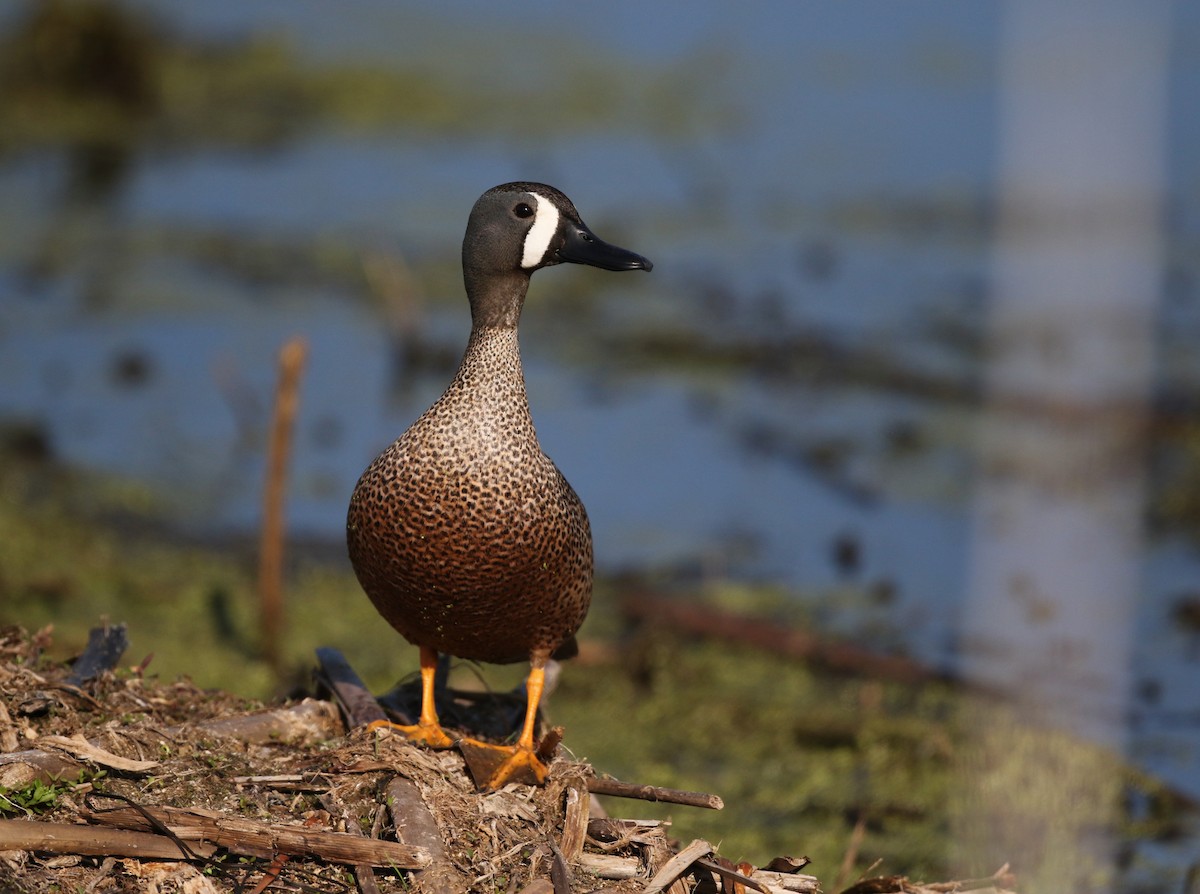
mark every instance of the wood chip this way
{"type": "Point", "coordinates": [575, 820]}
{"type": "Point", "coordinates": [309, 720]}
{"type": "Point", "coordinates": [609, 866]}
{"type": "Point", "coordinates": [678, 865]}
{"type": "Point", "coordinates": [787, 881]}
{"type": "Point", "coordinates": [733, 877]}
{"type": "Point", "coordinates": [787, 864]}
{"type": "Point", "coordinates": [20, 768]}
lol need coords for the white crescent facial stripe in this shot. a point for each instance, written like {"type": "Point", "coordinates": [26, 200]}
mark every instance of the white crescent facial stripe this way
{"type": "Point", "coordinates": [537, 240]}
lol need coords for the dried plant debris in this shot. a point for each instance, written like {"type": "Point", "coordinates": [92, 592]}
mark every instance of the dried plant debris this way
{"type": "Point", "coordinates": [124, 784]}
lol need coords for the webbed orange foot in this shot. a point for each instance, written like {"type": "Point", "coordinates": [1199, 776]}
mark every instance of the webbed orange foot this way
{"type": "Point", "coordinates": [494, 766]}
{"type": "Point", "coordinates": [429, 734]}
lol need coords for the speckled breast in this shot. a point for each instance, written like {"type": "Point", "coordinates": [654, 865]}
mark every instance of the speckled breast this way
{"type": "Point", "coordinates": [477, 547]}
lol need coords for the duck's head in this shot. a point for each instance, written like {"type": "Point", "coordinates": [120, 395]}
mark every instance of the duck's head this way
{"type": "Point", "coordinates": [517, 228]}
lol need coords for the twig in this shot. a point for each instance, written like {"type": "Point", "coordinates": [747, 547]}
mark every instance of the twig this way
{"type": "Point", "coordinates": [607, 786]}
{"type": "Point", "coordinates": [79, 747]}
{"type": "Point", "coordinates": [363, 873]}
{"type": "Point", "coordinates": [250, 838]}
{"type": "Point", "coordinates": [270, 874]}
{"type": "Point", "coordinates": [270, 566]}
{"type": "Point", "coordinates": [71, 838]}
{"type": "Point", "coordinates": [560, 874]}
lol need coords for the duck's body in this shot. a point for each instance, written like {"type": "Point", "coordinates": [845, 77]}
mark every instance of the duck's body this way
{"type": "Point", "coordinates": [464, 534]}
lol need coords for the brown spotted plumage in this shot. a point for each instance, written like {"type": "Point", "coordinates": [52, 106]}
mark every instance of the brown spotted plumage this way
{"type": "Point", "coordinates": [463, 533]}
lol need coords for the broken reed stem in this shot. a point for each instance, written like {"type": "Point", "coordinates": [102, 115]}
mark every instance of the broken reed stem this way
{"type": "Point", "coordinates": [292, 357]}
{"type": "Point", "coordinates": [851, 855]}
{"type": "Point", "coordinates": [599, 786]}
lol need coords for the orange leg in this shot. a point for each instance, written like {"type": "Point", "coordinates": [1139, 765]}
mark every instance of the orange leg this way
{"type": "Point", "coordinates": [428, 729]}
{"type": "Point", "coordinates": [534, 683]}
{"type": "Point", "coordinates": [494, 766]}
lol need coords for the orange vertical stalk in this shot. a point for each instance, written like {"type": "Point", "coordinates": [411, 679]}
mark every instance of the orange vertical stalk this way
{"type": "Point", "coordinates": [292, 357]}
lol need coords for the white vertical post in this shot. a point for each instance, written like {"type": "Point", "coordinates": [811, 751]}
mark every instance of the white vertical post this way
{"type": "Point", "coordinates": [1077, 274]}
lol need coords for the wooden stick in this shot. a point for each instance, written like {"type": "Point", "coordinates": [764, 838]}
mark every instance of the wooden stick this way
{"type": "Point", "coordinates": [352, 695]}
{"type": "Point", "coordinates": [270, 566]}
{"type": "Point", "coordinates": [607, 786]}
{"type": "Point", "coordinates": [416, 826]}
{"type": "Point", "coordinates": [364, 874]}
{"type": "Point", "coordinates": [242, 836]}
{"type": "Point", "coordinates": [68, 838]}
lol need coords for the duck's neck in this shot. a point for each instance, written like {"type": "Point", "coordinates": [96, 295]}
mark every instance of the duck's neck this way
{"type": "Point", "coordinates": [491, 366]}
{"type": "Point", "coordinates": [496, 298]}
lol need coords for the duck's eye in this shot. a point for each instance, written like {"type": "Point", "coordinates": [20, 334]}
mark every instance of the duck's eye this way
{"type": "Point", "coordinates": [523, 210]}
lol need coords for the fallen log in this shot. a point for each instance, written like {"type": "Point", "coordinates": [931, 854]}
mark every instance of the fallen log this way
{"type": "Point", "coordinates": [696, 619]}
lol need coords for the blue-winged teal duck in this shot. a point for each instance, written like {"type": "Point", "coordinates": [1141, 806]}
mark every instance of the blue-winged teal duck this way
{"type": "Point", "coordinates": [464, 534]}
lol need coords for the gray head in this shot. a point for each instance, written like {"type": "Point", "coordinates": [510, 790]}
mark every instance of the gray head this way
{"type": "Point", "coordinates": [517, 228]}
